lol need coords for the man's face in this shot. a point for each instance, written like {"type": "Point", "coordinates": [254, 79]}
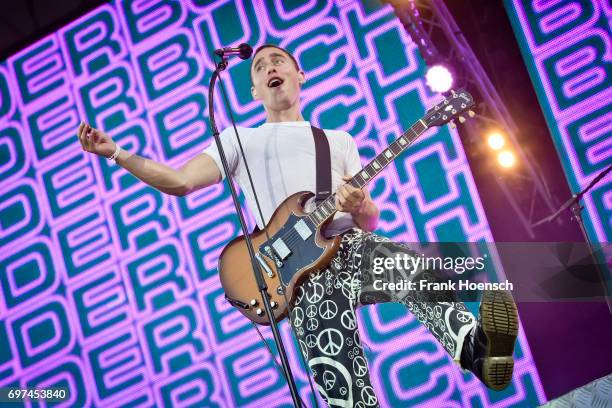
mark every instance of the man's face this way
{"type": "Point", "coordinates": [276, 80]}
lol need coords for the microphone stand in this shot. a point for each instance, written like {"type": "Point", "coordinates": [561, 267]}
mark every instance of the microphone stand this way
{"type": "Point", "coordinates": [261, 283]}
{"type": "Point", "coordinates": [576, 208]}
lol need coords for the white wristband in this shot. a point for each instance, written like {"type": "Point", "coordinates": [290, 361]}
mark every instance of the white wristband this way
{"type": "Point", "coordinates": [114, 156]}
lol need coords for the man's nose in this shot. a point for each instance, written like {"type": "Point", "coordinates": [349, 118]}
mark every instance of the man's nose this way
{"type": "Point", "coordinates": [271, 68]}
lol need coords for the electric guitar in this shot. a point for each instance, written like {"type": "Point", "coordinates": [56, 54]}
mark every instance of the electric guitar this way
{"type": "Point", "coordinates": [292, 245]}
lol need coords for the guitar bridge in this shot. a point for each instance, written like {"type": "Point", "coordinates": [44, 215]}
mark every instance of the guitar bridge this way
{"type": "Point", "coordinates": [272, 255]}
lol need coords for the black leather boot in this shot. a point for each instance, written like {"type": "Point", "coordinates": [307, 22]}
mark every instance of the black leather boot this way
{"type": "Point", "coordinates": [487, 349]}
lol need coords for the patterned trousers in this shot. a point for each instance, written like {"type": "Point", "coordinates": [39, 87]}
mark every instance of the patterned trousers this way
{"type": "Point", "coordinates": [325, 322]}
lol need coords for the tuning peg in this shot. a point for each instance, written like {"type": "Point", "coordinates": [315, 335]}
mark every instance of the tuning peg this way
{"type": "Point", "coordinates": [452, 125]}
{"type": "Point", "coordinates": [471, 113]}
{"type": "Point", "coordinates": [461, 119]}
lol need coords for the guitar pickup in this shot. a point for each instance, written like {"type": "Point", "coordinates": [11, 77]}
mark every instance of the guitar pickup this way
{"type": "Point", "coordinates": [302, 228]}
{"type": "Point", "coordinates": [281, 249]}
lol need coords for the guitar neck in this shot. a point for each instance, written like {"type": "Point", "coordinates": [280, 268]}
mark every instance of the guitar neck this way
{"type": "Point", "coordinates": [327, 208]}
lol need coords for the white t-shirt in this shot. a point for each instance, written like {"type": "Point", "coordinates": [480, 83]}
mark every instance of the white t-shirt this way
{"type": "Point", "coordinates": [281, 157]}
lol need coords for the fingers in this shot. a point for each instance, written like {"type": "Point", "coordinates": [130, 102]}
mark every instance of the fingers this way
{"type": "Point", "coordinates": [81, 134]}
{"type": "Point", "coordinates": [87, 136]}
{"type": "Point", "coordinates": [93, 136]}
{"type": "Point", "coordinates": [349, 198]}
{"type": "Point", "coordinates": [351, 193]}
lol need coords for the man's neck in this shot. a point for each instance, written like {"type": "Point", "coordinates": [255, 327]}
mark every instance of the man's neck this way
{"type": "Point", "coordinates": [289, 115]}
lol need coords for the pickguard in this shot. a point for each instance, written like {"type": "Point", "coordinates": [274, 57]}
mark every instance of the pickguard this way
{"type": "Point", "coordinates": [292, 248]}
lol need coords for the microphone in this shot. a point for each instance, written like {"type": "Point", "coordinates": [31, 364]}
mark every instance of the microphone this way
{"type": "Point", "coordinates": [244, 51]}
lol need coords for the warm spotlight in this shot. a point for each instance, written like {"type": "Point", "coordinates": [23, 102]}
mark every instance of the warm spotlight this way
{"type": "Point", "coordinates": [439, 78]}
{"type": "Point", "coordinates": [496, 141]}
{"type": "Point", "coordinates": [506, 158]}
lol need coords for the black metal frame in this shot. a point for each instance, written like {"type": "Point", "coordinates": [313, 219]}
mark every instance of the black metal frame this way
{"type": "Point", "coordinates": [261, 283]}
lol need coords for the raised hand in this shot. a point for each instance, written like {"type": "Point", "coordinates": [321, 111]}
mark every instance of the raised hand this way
{"type": "Point", "coordinates": [95, 141]}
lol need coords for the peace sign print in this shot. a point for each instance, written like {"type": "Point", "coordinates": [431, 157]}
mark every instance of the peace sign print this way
{"type": "Point", "coordinates": [329, 379]}
{"type": "Point", "coordinates": [311, 311]}
{"type": "Point", "coordinates": [330, 341]}
{"type": "Point", "coordinates": [360, 367]}
{"type": "Point", "coordinates": [311, 340]}
{"type": "Point", "coordinates": [345, 277]}
{"type": "Point", "coordinates": [348, 292]}
{"type": "Point", "coordinates": [312, 324]}
{"type": "Point", "coordinates": [300, 295]}
{"type": "Point", "coordinates": [347, 319]}
{"type": "Point", "coordinates": [298, 316]}
{"type": "Point", "coordinates": [328, 309]}
{"type": "Point", "coordinates": [357, 338]}
{"type": "Point", "coordinates": [464, 317]}
{"type": "Point", "coordinates": [368, 396]}
{"type": "Point", "coordinates": [304, 349]}
{"type": "Point", "coordinates": [315, 293]}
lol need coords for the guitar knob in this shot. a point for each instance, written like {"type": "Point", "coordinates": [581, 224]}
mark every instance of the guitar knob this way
{"type": "Point", "coordinates": [259, 312]}
{"type": "Point", "coordinates": [273, 305]}
{"type": "Point", "coordinates": [280, 290]}
{"type": "Point", "coordinates": [461, 119]}
{"type": "Point", "coordinates": [253, 302]}
{"type": "Point", "coordinates": [471, 113]}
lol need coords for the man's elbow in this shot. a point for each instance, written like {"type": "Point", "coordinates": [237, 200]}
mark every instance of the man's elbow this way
{"type": "Point", "coordinates": [182, 189]}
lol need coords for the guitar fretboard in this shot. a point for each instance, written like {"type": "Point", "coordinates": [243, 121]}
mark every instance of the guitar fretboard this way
{"type": "Point", "coordinates": [327, 208]}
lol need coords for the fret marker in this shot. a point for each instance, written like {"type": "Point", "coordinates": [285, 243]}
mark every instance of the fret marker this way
{"type": "Point", "coordinates": [402, 141]}
{"type": "Point", "coordinates": [365, 175]}
{"type": "Point", "coordinates": [376, 165]}
{"type": "Point", "coordinates": [388, 154]}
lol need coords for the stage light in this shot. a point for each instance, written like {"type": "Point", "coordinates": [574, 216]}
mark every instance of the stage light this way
{"type": "Point", "coordinates": [506, 158]}
{"type": "Point", "coordinates": [439, 78]}
{"type": "Point", "coordinates": [496, 141]}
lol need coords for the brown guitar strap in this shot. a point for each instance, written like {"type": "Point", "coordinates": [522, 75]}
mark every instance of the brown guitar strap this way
{"type": "Point", "coordinates": [323, 161]}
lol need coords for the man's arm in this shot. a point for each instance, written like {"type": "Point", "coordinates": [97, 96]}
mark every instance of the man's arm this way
{"type": "Point", "coordinates": [352, 200]}
{"type": "Point", "coordinates": [199, 172]}
{"type": "Point", "coordinates": [366, 217]}
{"type": "Point", "coordinates": [359, 204]}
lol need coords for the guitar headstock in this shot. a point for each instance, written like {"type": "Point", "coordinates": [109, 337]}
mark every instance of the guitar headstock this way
{"type": "Point", "coordinates": [453, 106]}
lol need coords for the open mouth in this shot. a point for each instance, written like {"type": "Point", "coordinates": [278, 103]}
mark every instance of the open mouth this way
{"type": "Point", "coordinates": [275, 82]}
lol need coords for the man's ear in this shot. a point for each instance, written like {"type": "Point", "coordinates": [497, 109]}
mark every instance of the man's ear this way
{"type": "Point", "coordinates": [254, 93]}
{"type": "Point", "coordinates": [301, 77]}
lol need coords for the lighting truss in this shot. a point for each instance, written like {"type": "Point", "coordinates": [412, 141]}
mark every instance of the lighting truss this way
{"type": "Point", "coordinates": [433, 29]}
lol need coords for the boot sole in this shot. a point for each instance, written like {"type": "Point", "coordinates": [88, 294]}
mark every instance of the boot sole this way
{"type": "Point", "coordinates": [500, 324]}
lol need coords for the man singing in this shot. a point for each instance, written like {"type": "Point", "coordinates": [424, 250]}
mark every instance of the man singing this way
{"type": "Point", "coordinates": [281, 156]}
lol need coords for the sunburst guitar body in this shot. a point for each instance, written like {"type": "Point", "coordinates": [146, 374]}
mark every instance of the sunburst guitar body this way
{"type": "Point", "coordinates": [296, 248]}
